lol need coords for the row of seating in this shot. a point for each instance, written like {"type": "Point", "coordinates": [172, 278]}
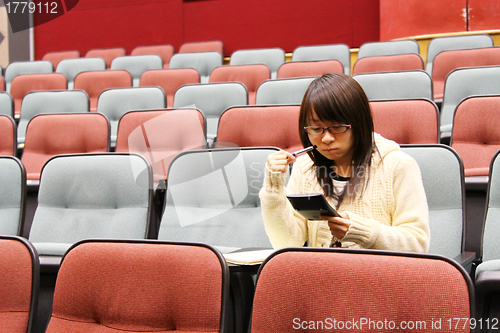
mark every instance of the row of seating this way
{"type": "Point", "coordinates": [124, 286]}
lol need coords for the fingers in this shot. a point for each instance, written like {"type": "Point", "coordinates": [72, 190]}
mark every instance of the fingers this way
{"type": "Point", "coordinates": [278, 162]}
{"type": "Point", "coordinates": [338, 225]}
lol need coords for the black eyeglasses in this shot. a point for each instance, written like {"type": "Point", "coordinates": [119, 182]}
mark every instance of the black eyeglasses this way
{"type": "Point", "coordinates": [335, 129]}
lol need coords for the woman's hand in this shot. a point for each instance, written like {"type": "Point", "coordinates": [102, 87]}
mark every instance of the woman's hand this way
{"type": "Point", "coordinates": [338, 225]}
{"type": "Point", "coordinates": [278, 162]}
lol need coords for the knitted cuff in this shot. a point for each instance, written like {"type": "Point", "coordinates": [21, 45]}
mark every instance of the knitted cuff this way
{"type": "Point", "coordinates": [361, 231]}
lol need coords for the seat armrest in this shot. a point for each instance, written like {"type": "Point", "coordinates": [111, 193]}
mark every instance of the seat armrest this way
{"type": "Point", "coordinates": [466, 260]}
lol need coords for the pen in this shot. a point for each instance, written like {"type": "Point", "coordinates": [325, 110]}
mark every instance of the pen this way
{"type": "Point", "coordinates": [305, 150]}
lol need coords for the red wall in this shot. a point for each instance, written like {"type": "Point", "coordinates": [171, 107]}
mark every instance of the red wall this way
{"type": "Point", "coordinates": [238, 24]}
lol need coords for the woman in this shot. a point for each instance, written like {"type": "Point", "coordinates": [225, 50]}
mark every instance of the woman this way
{"type": "Point", "coordinates": [376, 188]}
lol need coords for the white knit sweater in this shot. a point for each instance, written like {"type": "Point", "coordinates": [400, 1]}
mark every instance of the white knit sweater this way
{"type": "Point", "coordinates": [392, 213]}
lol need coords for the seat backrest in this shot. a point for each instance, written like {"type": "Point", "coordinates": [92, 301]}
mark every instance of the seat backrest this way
{"type": "Point", "coordinates": [48, 135]}
{"type": "Point", "coordinates": [142, 287]}
{"type": "Point", "coordinates": [271, 126]}
{"type": "Point", "coordinates": [412, 121]}
{"type": "Point", "coordinates": [19, 284]}
{"type": "Point", "coordinates": [6, 104]}
{"type": "Point", "coordinates": [389, 63]}
{"type": "Point", "coordinates": [91, 196]}
{"type": "Point", "coordinates": [71, 67]}
{"type": "Point", "coordinates": [441, 168]}
{"type": "Point", "coordinates": [26, 67]}
{"type": "Point", "coordinates": [230, 217]}
{"type": "Point", "coordinates": [159, 135]}
{"type": "Point", "coordinates": [12, 196]}
{"type": "Point", "coordinates": [212, 99]}
{"type": "Point", "coordinates": [115, 102]}
{"type": "Point", "coordinates": [271, 57]}
{"type": "Point", "coordinates": [490, 244]}
{"type": "Point", "coordinates": [2, 83]}
{"type": "Point", "coordinates": [373, 49]}
{"type": "Point", "coordinates": [446, 61]}
{"type": "Point", "coordinates": [309, 68]}
{"type": "Point", "coordinates": [399, 292]}
{"type": "Point", "coordinates": [282, 91]}
{"type": "Point", "coordinates": [439, 44]}
{"type": "Point", "coordinates": [340, 52]}
{"type": "Point", "coordinates": [41, 102]}
{"type": "Point", "coordinates": [250, 75]}
{"type": "Point", "coordinates": [137, 64]}
{"type": "Point", "coordinates": [203, 62]}
{"type": "Point", "coordinates": [396, 85]}
{"type": "Point", "coordinates": [25, 83]}
{"type": "Point", "coordinates": [169, 79]}
{"type": "Point", "coordinates": [165, 51]}
{"type": "Point", "coordinates": [204, 46]}
{"type": "Point", "coordinates": [475, 134]}
{"type": "Point", "coordinates": [465, 82]}
{"type": "Point", "coordinates": [108, 54]}
{"type": "Point", "coordinates": [56, 56]}
{"type": "Point", "coordinates": [95, 82]}
{"type": "Point", "coordinates": [8, 136]}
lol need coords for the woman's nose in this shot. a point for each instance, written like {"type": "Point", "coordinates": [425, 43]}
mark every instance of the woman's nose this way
{"type": "Point", "coordinates": [327, 137]}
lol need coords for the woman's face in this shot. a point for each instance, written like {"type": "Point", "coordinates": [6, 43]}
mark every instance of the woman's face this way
{"type": "Point", "coordinates": [337, 147]}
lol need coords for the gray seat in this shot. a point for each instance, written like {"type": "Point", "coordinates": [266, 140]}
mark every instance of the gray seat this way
{"type": "Point", "coordinates": [83, 196]}
{"type": "Point", "coordinates": [396, 85]}
{"type": "Point", "coordinates": [137, 64]}
{"type": "Point", "coordinates": [213, 197]}
{"type": "Point", "coordinates": [26, 67]}
{"type": "Point", "coordinates": [72, 67]}
{"type": "Point", "coordinates": [271, 57]}
{"type": "Point", "coordinates": [212, 99]}
{"type": "Point", "coordinates": [443, 179]}
{"type": "Point", "coordinates": [282, 91]}
{"type": "Point", "coordinates": [203, 62]}
{"type": "Point", "coordinates": [115, 102]}
{"type": "Point", "coordinates": [374, 49]}
{"type": "Point", "coordinates": [340, 52]}
{"type": "Point", "coordinates": [12, 196]}
{"type": "Point", "coordinates": [440, 44]}
{"type": "Point", "coordinates": [462, 83]}
{"type": "Point", "coordinates": [55, 101]}
{"type": "Point", "coordinates": [487, 275]}
{"type": "Point", "coordinates": [6, 104]}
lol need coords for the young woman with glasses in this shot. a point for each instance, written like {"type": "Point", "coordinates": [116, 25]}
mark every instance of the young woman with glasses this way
{"type": "Point", "coordinates": [376, 188]}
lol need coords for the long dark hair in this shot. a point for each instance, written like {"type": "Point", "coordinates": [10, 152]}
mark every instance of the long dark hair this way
{"type": "Point", "coordinates": [339, 98]}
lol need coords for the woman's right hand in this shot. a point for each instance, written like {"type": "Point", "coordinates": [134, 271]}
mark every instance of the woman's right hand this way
{"type": "Point", "coordinates": [278, 161]}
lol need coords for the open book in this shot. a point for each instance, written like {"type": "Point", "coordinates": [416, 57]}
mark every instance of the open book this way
{"type": "Point", "coordinates": [254, 257]}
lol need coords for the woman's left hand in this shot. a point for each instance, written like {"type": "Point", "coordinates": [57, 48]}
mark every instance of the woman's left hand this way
{"type": "Point", "coordinates": [338, 225]}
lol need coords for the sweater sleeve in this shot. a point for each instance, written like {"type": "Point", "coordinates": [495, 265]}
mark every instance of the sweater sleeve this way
{"type": "Point", "coordinates": [284, 226]}
{"type": "Point", "coordinates": [409, 229]}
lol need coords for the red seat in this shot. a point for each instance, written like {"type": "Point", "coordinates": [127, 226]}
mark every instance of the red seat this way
{"type": "Point", "coordinates": [447, 61]}
{"type": "Point", "coordinates": [164, 51]}
{"type": "Point", "coordinates": [24, 83]}
{"type": "Point", "coordinates": [8, 136]}
{"type": "Point", "coordinates": [388, 63]}
{"type": "Point", "coordinates": [108, 54]}
{"type": "Point", "coordinates": [95, 82]}
{"type": "Point", "coordinates": [170, 80]}
{"type": "Point", "coordinates": [309, 68]}
{"type": "Point", "coordinates": [55, 57]}
{"type": "Point", "coordinates": [250, 75]}
{"type": "Point", "coordinates": [140, 286]}
{"type": "Point", "coordinates": [274, 126]}
{"type": "Point", "coordinates": [48, 135]}
{"type": "Point", "coordinates": [205, 46]}
{"type": "Point", "coordinates": [2, 83]}
{"type": "Point", "coordinates": [160, 135]}
{"type": "Point", "coordinates": [475, 134]}
{"type": "Point", "coordinates": [412, 121]}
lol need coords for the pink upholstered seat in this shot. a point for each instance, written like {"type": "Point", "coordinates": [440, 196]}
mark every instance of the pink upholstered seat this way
{"type": "Point", "coordinates": [388, 63]}
{"type": "Point", "coordinates": [164, 51]}
{"type": "Point", "coordinates": [8, 136]}
{"type": "Point", "coordinates": [108, 54]}
{"type": "Point", "coordinates": [309, 68]}
{"type": "Point", "coordinates": [250, 75]}
{"type": "Point", "coordinates": [475, 135]}
{"type": "Point", "coordinates": [55, 57]}
{"type": "Point", "coordinates": [205, 46]}
{"type": "Point", "coordinates": [406, 121]}
{"type": "Point", "coordinates": [254, 126]}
